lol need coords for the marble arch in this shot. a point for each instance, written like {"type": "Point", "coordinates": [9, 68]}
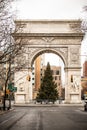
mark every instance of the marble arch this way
{"type": "Point", "coordinates": [62, 37]}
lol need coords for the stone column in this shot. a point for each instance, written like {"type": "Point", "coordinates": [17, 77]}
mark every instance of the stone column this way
{"type": "Point", "coordinates": [73, 75]}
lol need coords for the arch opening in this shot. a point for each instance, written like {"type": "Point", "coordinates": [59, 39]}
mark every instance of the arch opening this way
{"type": "Point", "coordinates": [57, 65]}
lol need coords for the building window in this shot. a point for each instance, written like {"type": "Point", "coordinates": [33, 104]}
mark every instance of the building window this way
{"type": "Point", "coordinates": [57, 72]}
{"type": "Point", "coordinates": [55, 77]}
{"type": "Point", "coordinates": [52, 72]}
{"type": "Point", "coordinates": [59, 84]}
{"type": "Point", "coordinates": [32, 73]}
{"type": "Point", "coordinates": [59, 77]}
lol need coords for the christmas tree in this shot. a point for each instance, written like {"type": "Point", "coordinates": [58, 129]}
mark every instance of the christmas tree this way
{"type": "Point", "coordinates": [48, 89]}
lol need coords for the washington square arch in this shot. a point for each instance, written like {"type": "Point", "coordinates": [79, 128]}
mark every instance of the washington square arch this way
{"type": "Point", "coordinates": [61, 37]}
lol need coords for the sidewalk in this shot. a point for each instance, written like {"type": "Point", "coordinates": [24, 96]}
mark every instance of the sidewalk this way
{"type": "Point", "coordinates": [46, 105]}
{"type": "Point", "coordinates": [43, 105]}
{"type": "Point", "coordinates": [3, 112]}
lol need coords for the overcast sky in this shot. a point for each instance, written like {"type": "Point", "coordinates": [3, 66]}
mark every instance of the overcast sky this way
{"type": "Point", "coordinates": [50, 9]}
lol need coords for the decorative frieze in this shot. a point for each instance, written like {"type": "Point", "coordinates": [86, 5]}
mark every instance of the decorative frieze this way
{"type": "Point", "coordinates": [52, 41]}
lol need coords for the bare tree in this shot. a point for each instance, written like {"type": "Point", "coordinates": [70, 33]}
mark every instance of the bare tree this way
{"type": "Point", "coordinates": [84, 21]}
{"type": "Point", "coordinates": [6, 23]}
{"type": "Point", "coordinates": [8, 49]}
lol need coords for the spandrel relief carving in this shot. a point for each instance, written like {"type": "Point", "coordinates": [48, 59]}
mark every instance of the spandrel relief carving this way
{"type": "Point", "coordinates": [64, 51]}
